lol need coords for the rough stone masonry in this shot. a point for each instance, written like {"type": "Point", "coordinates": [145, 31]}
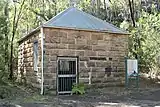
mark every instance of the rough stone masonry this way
{"type": "Point", "coordinates": [96, 51]}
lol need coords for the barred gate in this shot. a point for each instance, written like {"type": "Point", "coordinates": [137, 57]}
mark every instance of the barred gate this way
{"type": "Point", "coordinates": [66, 74]}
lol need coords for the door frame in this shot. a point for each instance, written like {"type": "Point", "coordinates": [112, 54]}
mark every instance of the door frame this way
{"type": "Point", "coordinates": [76, 58]}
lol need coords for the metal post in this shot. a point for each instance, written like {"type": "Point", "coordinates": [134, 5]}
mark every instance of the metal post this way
{"type": "Point", "coordinates": [126, 74]}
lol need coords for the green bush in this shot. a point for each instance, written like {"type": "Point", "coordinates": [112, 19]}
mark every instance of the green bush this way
{"type": "Point", "coordinates": [78, 89]}
{"type": "Point", "coordinates": [144, 41]}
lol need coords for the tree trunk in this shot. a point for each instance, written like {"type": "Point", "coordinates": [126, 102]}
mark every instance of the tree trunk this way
{"type": "Point", "coordinates": [98, 8]}
{"type": "Point", "coordinates": [11, 48]}
{"type": "Point", "coordinates": [55, 8]}
{"type": "Point", "coordinates": [131, 7]}
{"type": "Point", "coordinates": [6, 36]}
{"type": "Point", "coordinates": [11, 61]}
{"type": "Point", "coordinates": [15, 25]}
{"type": "Point", "coordinates": [105, 18]}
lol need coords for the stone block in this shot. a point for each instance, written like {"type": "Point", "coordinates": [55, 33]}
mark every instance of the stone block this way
{"type": "Point", "coordinates": [79, 34]}
{"type": "Point", "coordinates": [82, 63]}
{"type": "Point", "coordinates": [29, 69]}
{"type": "Point", "coordinates": [49, 75]}
{"type": "Point", "coordinates": [102, 64]}
{"type": "Point", "coordinates": [92, 42]}
{"type": "Point", "coordinates": [96, 36]}
{"type": "Point", "coordinates": [67, 52]}
{"type": "Point", "coordinates": [94, 74]}
{"type": "Point", "coordinates": [99, 48]}
{"type": "Point", "coordinates": [83, 80]}
{"type": "Point", "coordinates": [29, 74]}
{"type": "Point", "coordinates": [102, 53]}
{"type": "Point", "coordinates": [67, 41]}
{"type": "Point", "coordinates": [72, 46]}
{"type": "Point", "coordinates": [84, 69]}
{"type": "Point", "coordinates": [96, 80]}
{"type": "Point", "coordinates": [55, 40]}
{"type": "Point", "coordinates": [119, 54]}
{"type": "Point", "coordinates": [91, 64]}
{"type": "Point", "coordinates": [50, 69]}
{"type": "Point", "coordinates": [72, 33]}
{"type": "Point", "coordinates": [53, 52]}
{"type": "Point", "coordinates": [84, 47]}
{"type": "Point", "coordinates": [52, 63]}
{"type": "Point", "coordinates": [30, 54]}
{"type": "Point", "coordinates": [83, 75]}
{"type": "Point", "coordinates": [52, 39]}
{"type": "Point", "coordinates": [55, 46]}
{"type": "Point", "coordinates": [46, 31]}
{"type": "Point", "coordinates": [30, 59]}
{"type": "Point", "coordinates": [63, 34]}
{"type": "Point", "coordinates": [100, 74]}
{"type": "Point", "coordinates": [53, 33]}
{"type": "Point", "coordinates": [121, 69]}
{"type": "Point", "coordinates": [98, 69]}
{"type": "Point", "coordinates": [104, 43]}
{"type": "Point", "coordinates": [107, 37]}
{"type": "Point", "coordinates": [84, 35]}
{"type": "Point", "coordinates": [79, 53]}
{"type": "Point", "coordinates": [90, 53]}
{"type": "Point", "coordinates": [81, 41]}
{"type": "Point", "coordinates": [53, 58]}
{"type": "Point", "coordinates": [118, 74]}
{"type": "Point", "coordinates": [49, 82]}
{"type": "Point", "coordinates": [82, 58]}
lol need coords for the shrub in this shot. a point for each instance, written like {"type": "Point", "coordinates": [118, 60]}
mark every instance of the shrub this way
{"type": "Point", "coordinates": [78, 89]}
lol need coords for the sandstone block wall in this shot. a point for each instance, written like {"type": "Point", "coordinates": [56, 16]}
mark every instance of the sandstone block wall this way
{"type": "Point", "coordinates": [26, 71]}
{"type": "Point", "coordinates": [96, 52]}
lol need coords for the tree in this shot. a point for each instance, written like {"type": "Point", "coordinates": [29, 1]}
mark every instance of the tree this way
{"type": "Point", "coordinates": [16, 18]}
{"type": "Point", "coordinates": [4, 31]}
{"type": "Point", "coordinates": [131, 7]}
{"type": "Point", "coordinates": [148, 32]}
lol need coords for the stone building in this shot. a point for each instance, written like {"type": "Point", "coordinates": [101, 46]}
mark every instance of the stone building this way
{"type": "Point", "coordinates": [73, 47]}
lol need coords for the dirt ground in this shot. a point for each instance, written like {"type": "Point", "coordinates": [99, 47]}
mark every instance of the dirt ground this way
{"type": "Point", "coordinates": [147, 95]}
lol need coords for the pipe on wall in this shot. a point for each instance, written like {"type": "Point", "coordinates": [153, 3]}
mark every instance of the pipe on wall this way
{"type": "Point", "coordinates": [42, 59]}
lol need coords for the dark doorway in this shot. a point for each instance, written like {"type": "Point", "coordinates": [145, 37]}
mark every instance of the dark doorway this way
{"type": "Point", "coordinates": [66, 74]}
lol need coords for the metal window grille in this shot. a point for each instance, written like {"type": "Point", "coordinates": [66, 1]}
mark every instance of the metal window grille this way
{"type": "Point", "coordinates": [66, 74]}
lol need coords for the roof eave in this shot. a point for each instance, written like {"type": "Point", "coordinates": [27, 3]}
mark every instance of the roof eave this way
{"type": "Point", "coordinates": [29, 34]}
{"type": "Point", "coordinates": [93, 30]}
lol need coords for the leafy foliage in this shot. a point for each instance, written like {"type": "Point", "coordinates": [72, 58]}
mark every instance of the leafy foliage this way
{"type": "Point", "coordinates": [78, 89]}
{"type": "Point", "coordinates": [3, 36]}
{"type": "Point", "coordinates": [146, 37]}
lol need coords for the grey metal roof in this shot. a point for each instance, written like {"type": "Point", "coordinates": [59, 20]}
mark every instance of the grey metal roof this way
{"type": "Point", "coordinates": [77, 19]}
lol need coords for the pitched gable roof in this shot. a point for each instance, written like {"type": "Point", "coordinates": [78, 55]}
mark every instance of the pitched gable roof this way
{"type": "Point", "coordinates": [74, 18]}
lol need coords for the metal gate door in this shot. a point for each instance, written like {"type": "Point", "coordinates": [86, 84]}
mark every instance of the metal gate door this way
{"type": "Point", "coordinates": [66, 74]}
